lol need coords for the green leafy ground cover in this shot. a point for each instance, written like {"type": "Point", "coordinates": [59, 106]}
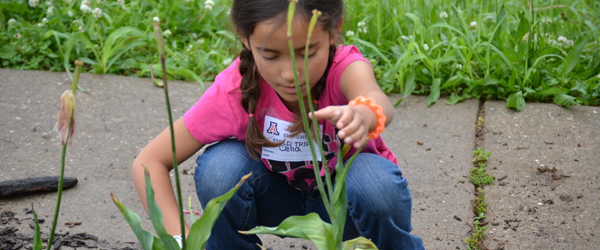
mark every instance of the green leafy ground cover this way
{"type": "Point", "coordinates": [514, 50]}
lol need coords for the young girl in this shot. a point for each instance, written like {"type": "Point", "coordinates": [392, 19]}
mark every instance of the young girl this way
{"type": "Point", "coordinates": [252, 111]}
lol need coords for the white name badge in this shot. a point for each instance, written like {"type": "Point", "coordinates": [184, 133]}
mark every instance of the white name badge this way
{"type": "Point", "coordinates": [292, 149]}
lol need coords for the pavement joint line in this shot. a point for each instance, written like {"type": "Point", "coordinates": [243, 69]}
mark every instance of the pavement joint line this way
{"type": "Point", "coordinates": [476, 235]}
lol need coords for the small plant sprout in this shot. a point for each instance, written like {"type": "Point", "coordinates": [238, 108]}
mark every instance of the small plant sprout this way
{"type": "Point", "coordinates": [443, 15]}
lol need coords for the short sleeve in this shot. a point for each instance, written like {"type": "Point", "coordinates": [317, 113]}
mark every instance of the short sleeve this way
{"type": "Point", "coordinates": [218, 114]}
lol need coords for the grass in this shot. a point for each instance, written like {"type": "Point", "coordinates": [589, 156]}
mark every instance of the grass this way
{"type": "Point", "coordinates": [545, 51]}
{"type": "Point", "coordinates": [479, 178]}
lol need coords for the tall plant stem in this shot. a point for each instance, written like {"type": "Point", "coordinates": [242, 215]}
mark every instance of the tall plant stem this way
{"type": "Point", "coordinates": [290, 20]}
{"type": "Point", "coordinates": [78, 65]}
{"type": "Point", "coordinates": [161, 49]}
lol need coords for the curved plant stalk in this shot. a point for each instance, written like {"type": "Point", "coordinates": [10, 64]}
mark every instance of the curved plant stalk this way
{"type": "Point", "coordinates": [161, 49]}
{"type": "Point", "coordinates": [325, 236]}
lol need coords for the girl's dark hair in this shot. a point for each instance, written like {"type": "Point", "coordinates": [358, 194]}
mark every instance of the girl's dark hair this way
{"type": "Point", "coordinates": [246, 14]}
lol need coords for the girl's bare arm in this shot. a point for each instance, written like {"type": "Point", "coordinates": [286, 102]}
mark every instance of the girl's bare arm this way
{"type": "Point", "coordinates": [157, 158]}
{"type": "Point", "coordinates": [355, 122]}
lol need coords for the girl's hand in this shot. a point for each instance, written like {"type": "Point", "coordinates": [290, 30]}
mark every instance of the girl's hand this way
{"type": "Point", "coordinates": [354, 122]}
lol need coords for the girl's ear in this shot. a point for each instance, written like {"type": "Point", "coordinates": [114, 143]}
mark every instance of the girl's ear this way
{"type": "Point", "coordinates": [244, 41]}
{"type": "Point", "coordinates": [338, 29]}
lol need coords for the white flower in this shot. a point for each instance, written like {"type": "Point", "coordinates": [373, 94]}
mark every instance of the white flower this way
{"type": "Point", "coordinates": [156, 19]}
{"type": "Point", "coordinates": [473, 24]}
{"type": "Point", "coordinates": [562, 39]}
{"type": "Point", "coordinates": [68, 2]}
{"type": "Point", "coordinates": [404, 38]}
{"type": "Point", "coordinates": [86, 6]}
{"type": "Point", "coordinates": [350, 33]}
{"type": "Point", "coordinates": [40, 24]}
{"type": "Point", "coordinates": [361, 24]}
{"type": "Point", "coordinates": [70, 13]}
{"type": "Point", "coordinates": [598, 76]}
{"type": "Point", "coordinates": [190, 47]}
{"type": "Point", "coordinates": [570, 43]}
{"type": "Point", "coordinates": [18, 36]}
{"type": "Point", "coordinates": [551, 42]}
{"type": "Point", "coordinates": [548, 21]}
{"type": "Point", "coordinates": [44, 20]}
{"type": "Point", "coordinates": [194, 36]}
{"type": "Point", "coordinates": [208, 5]}
{"type": "Point", "coordinates": [81, 29]}
{"type": "Point", "coordinates": [458, 66]}
{"type": "Point", "coordinates": [11, 21]}
{"type": "Point", "coordinates": [227, 61]}
{"type": "Point", "coordinates": [121, 2]}
{"type": "Point", "coordinates": [189, 1]}
{"type": "Point", "coordinates": [50, 10]}
{"type": "Point", "coordinates": [362, 30]}
{"type": "Point", "coordinates": [97, 12]}
{"type": "Point", "coordinates": [167, 33]}
{"type": "Point", "coordinates": [34, 3]}
{"type": "Point", "coordinates": [443, 15]}
{"type": "Point", "coordinates": [425, 47]}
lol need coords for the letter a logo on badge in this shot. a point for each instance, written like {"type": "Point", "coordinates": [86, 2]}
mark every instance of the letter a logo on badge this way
{"type": "Point", "coordinates": [273, 129]}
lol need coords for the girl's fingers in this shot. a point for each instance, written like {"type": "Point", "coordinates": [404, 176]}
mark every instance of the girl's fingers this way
{"type": "Point", "coordinates": [328, 113]}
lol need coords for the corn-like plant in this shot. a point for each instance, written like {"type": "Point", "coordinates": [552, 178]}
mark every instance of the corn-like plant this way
{"type": "Point", "coordinates": [201, 228]}
{"type": "Point", "coordinates": [325, 236]}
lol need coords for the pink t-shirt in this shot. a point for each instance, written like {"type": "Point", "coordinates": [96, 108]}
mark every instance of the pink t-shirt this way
{"type": "Point", "coordinates": [219, 115]}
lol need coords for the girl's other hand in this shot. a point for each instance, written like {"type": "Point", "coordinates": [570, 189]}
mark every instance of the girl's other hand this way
{"type": "Point", "coordinates": [354, 122]}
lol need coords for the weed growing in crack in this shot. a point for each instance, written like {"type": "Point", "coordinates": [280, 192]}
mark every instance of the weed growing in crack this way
{"type": "Point", "coordinates": [479, 177]}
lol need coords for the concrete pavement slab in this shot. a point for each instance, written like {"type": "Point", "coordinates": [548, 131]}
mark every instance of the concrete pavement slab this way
{"type": "Point", "coordinates": [547, 191]}
{"type": "Point", "coordinates": [434, 147]}
{"type": "Point", "coordinates": [121, 114]}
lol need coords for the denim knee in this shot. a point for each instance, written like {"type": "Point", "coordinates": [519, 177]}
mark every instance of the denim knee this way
{"type": "Point", "coordinates": [221, 167]}
{"type": "Point", "coordinates": [378, 185]}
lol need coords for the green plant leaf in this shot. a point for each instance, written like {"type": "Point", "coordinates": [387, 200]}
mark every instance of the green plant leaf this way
{"type": "Point", "coordinates": [572, 58]}
{"type": "Point", "coordinates": [156, 216]}
{"type": "Point", "coordinates": [565, 100]}
{"type": "Point", "coordinates": [360, 243]}
{"type": "Point", "coordinates": [516, 101]}
{"type": "Point", "coordinates": [201, 229]}
{"type": "Point", "coordinates": [7, 52]}
{"type": "Point", "coordinates": [308, 226]}
{"type": "Point", "coordinates": [37, 240]}
{"type": "Point", "coordinates": [435, 92]}
{"type": "Point", "coordinates": [146, 239]}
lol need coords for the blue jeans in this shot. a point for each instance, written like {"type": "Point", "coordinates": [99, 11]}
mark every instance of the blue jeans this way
{"type": "Point", "coordinates": [379, 201]}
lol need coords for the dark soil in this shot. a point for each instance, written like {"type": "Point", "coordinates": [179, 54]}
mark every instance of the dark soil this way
{"type": "Point", "coordinates": [14, 234]}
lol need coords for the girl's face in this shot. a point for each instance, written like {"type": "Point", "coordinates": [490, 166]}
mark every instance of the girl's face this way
{"type": "Point", "coordinates": [269, 46]}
